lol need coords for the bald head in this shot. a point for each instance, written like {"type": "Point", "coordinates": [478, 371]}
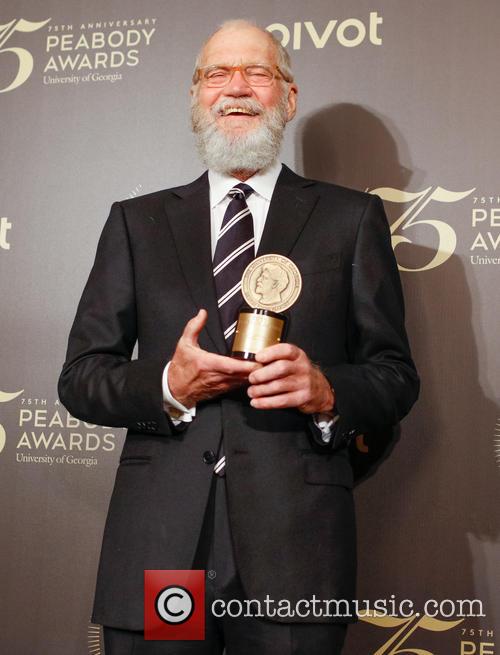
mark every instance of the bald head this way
{"type": "Point", "coordinates": [247, 30]}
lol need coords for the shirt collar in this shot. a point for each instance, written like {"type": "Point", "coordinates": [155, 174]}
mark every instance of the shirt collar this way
{"type": "Point", "coordinates": [263, 183]}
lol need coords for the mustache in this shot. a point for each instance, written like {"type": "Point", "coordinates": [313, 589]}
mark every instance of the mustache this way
{"type": "Point", "coordinates": [249, 105]}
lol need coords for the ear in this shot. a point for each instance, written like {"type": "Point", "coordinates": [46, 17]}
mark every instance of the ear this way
{"type": "Point", "coordinates": [292, 101]}
{"type": "Point", "coordinates": [194, 89]}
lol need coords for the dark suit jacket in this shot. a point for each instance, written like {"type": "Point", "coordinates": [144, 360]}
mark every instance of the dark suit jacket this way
{"type": "Point", "coordinates": [290, 499]}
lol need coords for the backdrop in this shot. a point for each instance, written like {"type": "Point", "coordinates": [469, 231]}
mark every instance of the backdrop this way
{"type": "Point", "coordinates": [397, 97]}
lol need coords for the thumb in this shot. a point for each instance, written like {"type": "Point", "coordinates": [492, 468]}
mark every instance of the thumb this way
{"type": "Point", "coordinates": [194, 326]}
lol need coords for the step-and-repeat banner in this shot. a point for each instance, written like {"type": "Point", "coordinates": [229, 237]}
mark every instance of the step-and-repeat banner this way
{"type": "Point", "coordinates": [399, 98]}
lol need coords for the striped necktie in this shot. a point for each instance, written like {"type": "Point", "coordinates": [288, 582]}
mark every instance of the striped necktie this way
{"type": "Point", "coordinates": [233, 252]}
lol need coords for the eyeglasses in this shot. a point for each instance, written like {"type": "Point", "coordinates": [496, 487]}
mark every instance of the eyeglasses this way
{"type": "Point", "coordinates": [254, 74]}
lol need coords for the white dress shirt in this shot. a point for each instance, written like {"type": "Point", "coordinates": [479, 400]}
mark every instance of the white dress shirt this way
{"type": "Point", "coordinates": [262, 183]}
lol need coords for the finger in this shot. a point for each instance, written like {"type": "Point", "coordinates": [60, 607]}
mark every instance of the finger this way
{"type": "Point", "coordinates": [273, 371]}
{"type": "Point", "coordinates": [280, 401]}
{"type": "Point", "coordinates": [229, 366]}
{"type": "Point", "coordinates": [278, 351]}
{"type": "Point", "coordinates": [194, 326]}
{"type": "Point", "coordinates": [273, 388]}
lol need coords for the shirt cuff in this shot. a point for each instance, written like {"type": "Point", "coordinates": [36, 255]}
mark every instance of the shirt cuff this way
{"type": "Point", "coordinates": [325, 422]}
{"type": "Point", "coordinates": [176, 410]}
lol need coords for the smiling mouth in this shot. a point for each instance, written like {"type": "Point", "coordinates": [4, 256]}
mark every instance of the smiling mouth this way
{"type": "Point", "coordinates": [233, 111]}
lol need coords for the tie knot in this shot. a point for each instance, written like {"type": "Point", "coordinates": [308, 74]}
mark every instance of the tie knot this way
{"type": "Point", "coordinates": [241, 189]}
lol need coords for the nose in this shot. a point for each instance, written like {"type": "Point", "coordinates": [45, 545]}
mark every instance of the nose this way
{"type": "Point", "coordinates": [238, 86]}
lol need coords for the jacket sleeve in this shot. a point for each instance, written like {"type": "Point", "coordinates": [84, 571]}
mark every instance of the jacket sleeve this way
{"type": "Point", "coordinates": [99, 383]}
{"type": "Point", "coordinates": [378, 384]}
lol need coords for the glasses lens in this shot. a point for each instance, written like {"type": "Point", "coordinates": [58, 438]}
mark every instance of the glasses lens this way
{"type": "Point", "coordinates": [216, 76]}
{"type": "Point", "coordinates": [259, 75]}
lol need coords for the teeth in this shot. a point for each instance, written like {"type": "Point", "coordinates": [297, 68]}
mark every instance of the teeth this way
{"type": "Point", "coordinates": [235, 110]}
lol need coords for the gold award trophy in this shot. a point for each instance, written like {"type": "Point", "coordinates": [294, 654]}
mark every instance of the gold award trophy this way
{"type": "Point", "coordinates": [270, 285]}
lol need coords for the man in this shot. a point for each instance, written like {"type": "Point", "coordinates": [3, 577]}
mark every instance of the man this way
{"type": "Point", "coordinates": [233, 466]}
{"type": "Point", "coordinates": [270, 283]}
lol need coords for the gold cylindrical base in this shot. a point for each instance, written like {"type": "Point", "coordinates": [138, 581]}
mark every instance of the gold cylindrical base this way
{"type": "Point", "coordinates": [256, 329]}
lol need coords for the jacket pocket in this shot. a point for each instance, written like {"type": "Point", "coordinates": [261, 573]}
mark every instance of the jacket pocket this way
{"type": "Point", "coordinates": [327, 470]}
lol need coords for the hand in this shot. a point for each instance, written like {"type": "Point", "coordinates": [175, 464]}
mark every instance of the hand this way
{"type": "Point", "coordinates": [288, 378]}
{"type": "Point", "coordinates": [195, 374]}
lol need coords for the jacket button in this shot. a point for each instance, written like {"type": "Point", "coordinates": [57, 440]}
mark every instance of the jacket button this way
{"type": "Point", "coordinates": [209, 457]}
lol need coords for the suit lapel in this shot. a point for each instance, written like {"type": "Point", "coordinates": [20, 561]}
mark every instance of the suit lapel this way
{"type": "Point", "coordinates": [188, 213]}
{"type": "Point", "coordinates": [292, 203]}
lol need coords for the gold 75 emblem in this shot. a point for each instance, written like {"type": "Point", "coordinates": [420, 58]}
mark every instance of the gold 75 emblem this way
{"type": "Point", "coordinates": [4, 398]}
{"type": "Point", "coordinates": [24, 57]}
{"type": "Point", "coordinates": [447, 237]}
{"type": "Point", "coordinates": [407, 626]}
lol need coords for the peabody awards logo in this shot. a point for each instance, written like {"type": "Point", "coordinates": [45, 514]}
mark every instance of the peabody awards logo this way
{"type": "Point", "coordinates": [48, 435]}
{"type": "Point", "coordinates": [414, 216]}
{"type": "Point", "coordinates": [93, 51]}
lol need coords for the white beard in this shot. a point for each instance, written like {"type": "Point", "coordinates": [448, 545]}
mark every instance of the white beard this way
{"type": "Point", "coordinates": [228, 152]}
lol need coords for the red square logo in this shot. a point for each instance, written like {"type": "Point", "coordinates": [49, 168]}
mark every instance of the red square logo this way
{"type": "Point", "coordinates": [174, 605]}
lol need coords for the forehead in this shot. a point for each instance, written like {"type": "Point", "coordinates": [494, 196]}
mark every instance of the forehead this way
{"type": "Point", "coordinates": [233, 46]}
